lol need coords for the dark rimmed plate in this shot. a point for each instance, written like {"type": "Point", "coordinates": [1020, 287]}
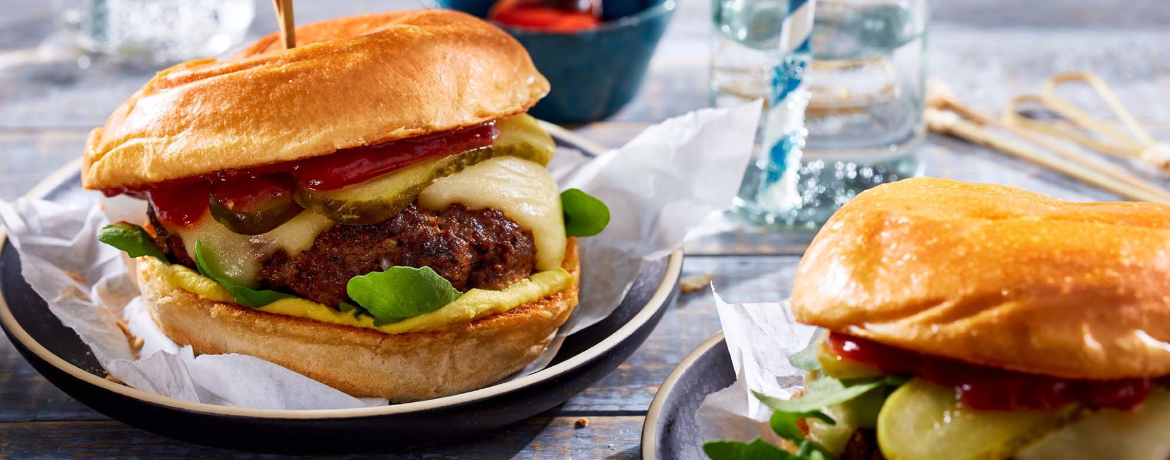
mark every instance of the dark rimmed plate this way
{"type": "Point", "coordinates": [670, 431]}
{"type": "Point", "coordinates": [587, 356]}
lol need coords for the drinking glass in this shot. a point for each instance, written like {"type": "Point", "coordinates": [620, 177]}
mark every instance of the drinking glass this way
{"type": "Point", "coordinates": [150, 33]}
{"type": "Point", "coordinates": [843, 107]}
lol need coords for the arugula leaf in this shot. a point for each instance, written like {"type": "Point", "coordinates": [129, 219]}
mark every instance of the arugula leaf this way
{"type": "Point", "coordinates": [809, 450]}
{"type": "Point", "coordinates": [400, 293]}
{"type": "Point", "coordinates": [735, 450]}
{"type": "Point", "coordinates": [348, 307]}
{"type": "Point", "coordinates": [892, 382]}
{"type": "Point", "coordinates": [244, 295]}
{"type": "Point", "coordinates": [584, 214]}
{"type": "Point", "coordinates": [820, 393]}
{"type": "Point", "coordinates": [806, 359]}
{"type": "Point", "coordinates": [760, 450]}
{"type": "Point", "coordinates": [784, 423]}
{"type": "Point", "coordinates": [132, 239]}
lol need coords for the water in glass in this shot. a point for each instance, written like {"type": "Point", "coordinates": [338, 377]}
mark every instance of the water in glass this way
{"type": "Point", "coordinates": [149, 33]}
{"type": "Point", "coordinates": [860, 108]}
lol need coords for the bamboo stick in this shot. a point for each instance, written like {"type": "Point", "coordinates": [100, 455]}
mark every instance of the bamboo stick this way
{"type": "Point", "coordinates": [1080, 117]}
{"type": "Point", "coordinates": [1012, 116]}
{"type": "Point", "coordinates": [284, 16]}
{"type": "Point", "coordinates": [950, 122]}
{"type": "Point", "coordinates": [939, 97]}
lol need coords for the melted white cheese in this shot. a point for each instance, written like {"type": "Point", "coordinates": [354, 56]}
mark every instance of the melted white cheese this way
{"type": "Point", "coordinates": [1111, 434]}
{"type": "Point", "coordinates": [239, 256]}
{"type": "Point", "coordinates": [524, 191]}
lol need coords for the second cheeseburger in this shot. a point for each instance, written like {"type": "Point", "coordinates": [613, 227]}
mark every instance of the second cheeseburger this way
{"type": "Point", "coordinates": [371, 209]}
{"type": "Point", "coordinates": [981, 322]}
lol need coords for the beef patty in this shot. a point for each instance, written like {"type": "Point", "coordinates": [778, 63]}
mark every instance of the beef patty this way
{"type": "Point", "coordinates": [470, 248]}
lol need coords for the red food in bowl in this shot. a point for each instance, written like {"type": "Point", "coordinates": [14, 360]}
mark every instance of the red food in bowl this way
{"type": "Point", "coordinates": [548, 15]}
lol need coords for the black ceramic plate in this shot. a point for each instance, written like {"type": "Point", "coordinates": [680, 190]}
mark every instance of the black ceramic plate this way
{"type": "Point", "coordinates": [586, 357]}
{"type": "Point", "coordinates": [670, 431]}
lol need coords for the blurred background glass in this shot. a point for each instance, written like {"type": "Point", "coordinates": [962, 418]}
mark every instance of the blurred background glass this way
{"type": "Point", "coordinates": [150, 33]}
{"type": "Point", "coordinates": [850, 121]}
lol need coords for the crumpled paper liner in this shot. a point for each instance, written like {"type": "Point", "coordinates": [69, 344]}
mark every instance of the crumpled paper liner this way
{"type": "Point", "coordinates": [760, 337]}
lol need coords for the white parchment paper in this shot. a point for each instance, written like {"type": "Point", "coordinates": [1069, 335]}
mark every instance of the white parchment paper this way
{"type": "Point", "coordinates": [658, 187]}
{"type": "Point", "coordinates": [760, 338]}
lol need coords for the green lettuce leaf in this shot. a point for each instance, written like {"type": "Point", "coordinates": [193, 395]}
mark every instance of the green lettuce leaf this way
{"type": "Point", "coordinates": [821, 393]}
{"type": "Point", "coordinates": [400, 293]}
{"type": "Point", "coordinates": [806, 359]}
{"type": "Point", "coordinates": [818, 394]}
{"type": "Point", "coordinates": [244, 295]}
{"type": "Point", "coordinates": [809, 450]}
{"type": "Point", "coordinates": [892, 382]}
{"type": "Point", "coordinates": [735, 450]}
{"type": "Point", "coordinates": [584, 214]}
{"type": "Point", "coordinates": [132, 239]}
{"type": "Point", "coordinates": [784, 423]}
{"type": "Point", "coordinates": [760, 450]}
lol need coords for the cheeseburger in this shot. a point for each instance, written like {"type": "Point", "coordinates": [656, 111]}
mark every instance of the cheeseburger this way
{"type": "Point", "coordinates": [371, 209]}
{"type": "Point", "coordinates": [971, 321]}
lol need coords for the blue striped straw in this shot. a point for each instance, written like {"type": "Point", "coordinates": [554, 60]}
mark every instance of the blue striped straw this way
{"type": "Point", "coordinates": [788, 75]}
{"type": "Point", "coordinates": [795, 34]}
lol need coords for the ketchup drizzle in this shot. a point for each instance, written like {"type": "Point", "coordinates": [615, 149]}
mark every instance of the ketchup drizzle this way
{"type": "Point", "coordinates": [987, 388]}
{"type": "Point", "coordinates": [181, 205]}
{"type": "Point", "coordinates": [360, 164]}
{"type": "Point", "coordinates": [184, 202]}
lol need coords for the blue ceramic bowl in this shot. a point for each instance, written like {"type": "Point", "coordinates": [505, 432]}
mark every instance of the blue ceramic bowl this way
{"type": "Point", "coordinates": [593, 73]}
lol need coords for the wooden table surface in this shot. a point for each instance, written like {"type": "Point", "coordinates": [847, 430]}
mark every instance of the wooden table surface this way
{"type": "Point", "coordinates": [986, 50]}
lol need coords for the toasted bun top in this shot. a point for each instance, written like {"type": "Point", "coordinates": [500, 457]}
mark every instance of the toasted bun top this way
{"type": "Point", "coordinates": [996, 276]}
{"type": "Point", "coordinates": [349, 82]}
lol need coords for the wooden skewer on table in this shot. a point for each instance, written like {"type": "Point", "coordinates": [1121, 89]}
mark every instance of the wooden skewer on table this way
{"type": "Point", "coordinates": [947, 116]}
{"type": "Point", "coordinates": [1087, 121]}
{"type": "Point", "coordinates": [1139, 144]}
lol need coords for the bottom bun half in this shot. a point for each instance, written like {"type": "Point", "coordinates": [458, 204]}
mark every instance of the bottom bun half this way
{"type": "Point", "coordinates": [364, 362]}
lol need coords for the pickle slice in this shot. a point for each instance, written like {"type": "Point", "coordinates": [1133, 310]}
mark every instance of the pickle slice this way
{"type": "Point", "coordinates": [840, 368]}
{"type": "Point", "coordinates": [380, 198]}
{"type": "Point", "coordinates": [521, 136]}
{"type": "Point", "coordinates": [924, 421]}
{"type": "Point", "coordinates": [859, 412]}
{"type": "Point", "coordinates": [255, 205]}
{"type": "Point", "coordinates": [1138, 434]}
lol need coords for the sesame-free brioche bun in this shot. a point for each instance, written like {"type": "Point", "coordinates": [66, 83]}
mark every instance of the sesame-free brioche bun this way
{"type": "Point", "coordinates": [996, 276]}
{"type": "Point", "coordinates": [364, 362]}
{"type": "Point", "coordinates": [350, 82]}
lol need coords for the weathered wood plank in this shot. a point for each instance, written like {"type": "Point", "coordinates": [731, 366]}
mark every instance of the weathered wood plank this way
{"type": "Point", "coordinates": [538, 438]}
{"type": "Point", "coordinates": [26, 396]}
{"type": "Point", "coordinates": [1044, 14]}
{"type": "Point", "coordinates": [29, 157]}
{"type": "Point", "coordinates": [24, 24]}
